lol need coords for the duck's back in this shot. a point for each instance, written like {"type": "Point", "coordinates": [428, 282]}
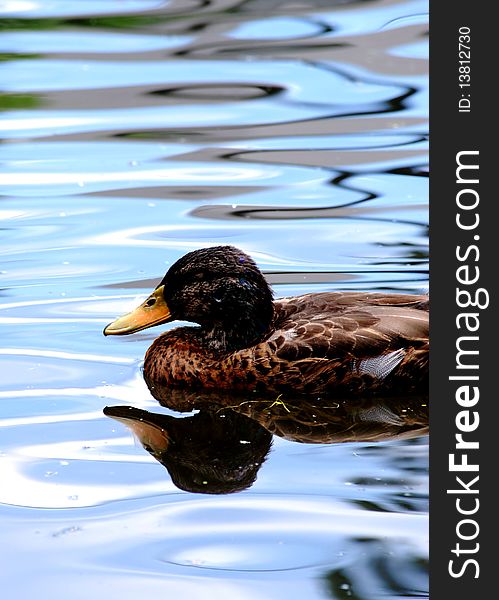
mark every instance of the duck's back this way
{"type": "Point", "coordinates": [337, 322]}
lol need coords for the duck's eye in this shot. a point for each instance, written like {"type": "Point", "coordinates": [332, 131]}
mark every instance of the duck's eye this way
{"type": "Point", "coordinates": [198, 276]}
{"type": "Point", "coordinates": [150, 302]}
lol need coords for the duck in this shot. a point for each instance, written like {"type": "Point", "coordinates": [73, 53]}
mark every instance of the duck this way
{"type": "Point", "coordinates": [243, 340]}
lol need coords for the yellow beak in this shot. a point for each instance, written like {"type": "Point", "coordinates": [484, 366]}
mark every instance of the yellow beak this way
{"type": "Point", "coordinates": [152, 311]}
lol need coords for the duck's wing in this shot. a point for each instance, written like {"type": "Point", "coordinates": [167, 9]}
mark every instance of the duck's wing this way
{"type": "Point", "coordinates": [358, 325]}
{"type": "Point", "coordinates": [352, 336]}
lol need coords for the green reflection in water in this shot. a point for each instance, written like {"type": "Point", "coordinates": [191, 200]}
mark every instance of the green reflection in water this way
{"type": "Point", "coordinates": [19, 101]}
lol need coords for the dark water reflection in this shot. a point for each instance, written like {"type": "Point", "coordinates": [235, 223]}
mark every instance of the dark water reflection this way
{"type": "Point", "coordinates": [220, 448]}
{"type": "Point", "coordinates": [133, 131]}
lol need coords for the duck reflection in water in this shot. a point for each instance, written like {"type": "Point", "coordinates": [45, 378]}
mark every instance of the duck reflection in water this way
{"type": "Point", "coordinates": [220, 449]}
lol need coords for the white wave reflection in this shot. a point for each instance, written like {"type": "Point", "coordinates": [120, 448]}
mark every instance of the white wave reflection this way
{"type": "Point", "coordinates": [414, 50]}
{"type": "Point", "coordinates": [24, 180]}
{"type": "Point", "coordinates": [16, 6]}
{"type": "Point", "coordinates": [172, 174]}
{"type": "Point", "coordinates": [103, 450]}
{"type": "Point", "coordinates": [67, 355]}
{"type": "Point", "coordinates": [60, 8]}
{"type": "Point", "coordinates": [50, 155]}
{"type": "Point", "coordinates": [275, 28]}
{"type": "Point", "coordinates": [80, 299]}
{"type": "Point", "coordinates": [40, 320]}
{"type": "Point", "coordinates": [82, 43]}
{"type": "Point", "coordinates": [24, 123]}
{"type": "Point", "coordinates": [45, 419]}
{"type": "Point", "coordinates": [31, 123]}
{"type": "Point", "coordinates": [132, 391]}
{"type": "Point", "coordinates": [20, 489]}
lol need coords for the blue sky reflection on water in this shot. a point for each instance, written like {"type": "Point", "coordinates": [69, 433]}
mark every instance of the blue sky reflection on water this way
{"type": "Point", "coordinates": [133, 132]}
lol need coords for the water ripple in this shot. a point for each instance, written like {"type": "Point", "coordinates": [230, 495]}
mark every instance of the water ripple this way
{"type": "Point", "coordinates": [133, 132]}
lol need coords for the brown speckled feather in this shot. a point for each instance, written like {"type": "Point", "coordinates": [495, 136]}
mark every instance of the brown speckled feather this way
{"type": "Point", "coordinates": [319, 343]}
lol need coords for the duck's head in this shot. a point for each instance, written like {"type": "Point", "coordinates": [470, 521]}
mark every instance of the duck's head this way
{"type": "Point", "coordinates": [220, 288]}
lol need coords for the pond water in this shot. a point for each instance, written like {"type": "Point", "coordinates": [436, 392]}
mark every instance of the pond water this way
{"type": "Point", "coordinates": [134, 131]}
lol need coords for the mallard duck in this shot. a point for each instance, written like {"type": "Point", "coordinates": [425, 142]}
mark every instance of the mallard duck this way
{"type": "Point", "coordinates": [318, 343]}
{"type": "Point", "coordinates": [220, 448]}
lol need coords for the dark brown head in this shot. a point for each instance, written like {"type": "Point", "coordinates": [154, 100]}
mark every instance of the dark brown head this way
{"type": "Point", "coordinates": [219, 288]}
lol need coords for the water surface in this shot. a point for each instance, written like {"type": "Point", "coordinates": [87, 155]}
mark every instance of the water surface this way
{"type": "Point", "coordinates": [134, 131]}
